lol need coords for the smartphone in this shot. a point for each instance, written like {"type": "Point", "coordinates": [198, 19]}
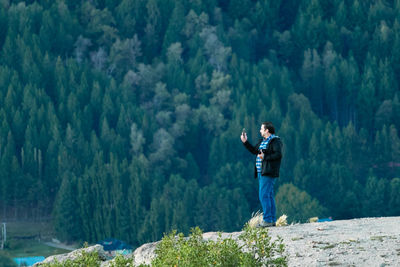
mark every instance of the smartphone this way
{"type": "Point", "coordinates": [243, 131]}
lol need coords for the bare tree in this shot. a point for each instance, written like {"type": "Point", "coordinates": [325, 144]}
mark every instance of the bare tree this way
{"type": "Point", "coordinates": [137, 139]}
{"type": "Point", "coordinates": [81, 46]}
{"type": "Point", "coordinates": [174, 53]}
{"type": "Point", "coordinates": [99, 59]}
{"type": "Point", "coordinates": [214, 49]}
{"type": "Point", "coordinates": [124, 54]}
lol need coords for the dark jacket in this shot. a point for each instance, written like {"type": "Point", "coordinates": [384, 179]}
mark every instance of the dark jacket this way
{"type": "Point", "coordinates": [272, 157]}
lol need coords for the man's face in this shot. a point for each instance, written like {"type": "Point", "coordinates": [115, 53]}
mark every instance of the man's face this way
{"type": "Point", "coordinates": [263, 131]}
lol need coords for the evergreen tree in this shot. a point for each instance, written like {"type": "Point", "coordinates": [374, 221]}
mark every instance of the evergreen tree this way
{"type": "Point", "coordinates": [127, 15]}
{"type": "Point", "coordinates": [66, 213]}
{"type": "Point", "coordinates": [174, 30]}
{"type": "Point", "coordinates": [152, 29]}
{"type": "Point", "coordinates": [238, 9]}
{"type": "Point", "coordinates": [375, 197]}
{"type": "Point", "coordinates": [365, 99]}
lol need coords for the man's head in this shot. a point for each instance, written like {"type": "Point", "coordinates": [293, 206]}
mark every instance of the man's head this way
{"type": "Point", "coordinates": [267, 129]}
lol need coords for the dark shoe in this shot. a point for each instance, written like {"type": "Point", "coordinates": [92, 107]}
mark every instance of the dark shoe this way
{"type": "Point", "coordinates": [265, 224]}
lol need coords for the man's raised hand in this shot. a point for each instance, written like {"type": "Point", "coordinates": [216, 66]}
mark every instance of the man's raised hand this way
{"type": "Point", "coordinates": [243, 137]}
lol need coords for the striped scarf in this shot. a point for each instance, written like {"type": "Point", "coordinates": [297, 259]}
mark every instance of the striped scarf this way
{"type": "Point", "coordinates": [263, 145]}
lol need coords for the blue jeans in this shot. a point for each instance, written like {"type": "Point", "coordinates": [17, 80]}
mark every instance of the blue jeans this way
{"type": "Point", "coordinates": [266, 195]}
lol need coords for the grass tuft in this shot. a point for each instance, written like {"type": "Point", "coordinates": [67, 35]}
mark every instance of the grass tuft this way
{"type": "Point", "coordinates": [257, 218]}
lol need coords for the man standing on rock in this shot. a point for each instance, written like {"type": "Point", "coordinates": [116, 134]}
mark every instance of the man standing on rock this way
{"type": "Point", "coordinates": [268, 162]}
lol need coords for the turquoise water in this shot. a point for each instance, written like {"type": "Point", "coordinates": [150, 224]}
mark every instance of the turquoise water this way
{"type": "Point", "coordinates": [28, 261]}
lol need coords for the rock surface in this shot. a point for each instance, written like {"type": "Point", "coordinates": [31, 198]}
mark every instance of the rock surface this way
{"type": "Point", "coordinates": [357, 242]}
{"type": "Point", "coordinates": [74, 254]}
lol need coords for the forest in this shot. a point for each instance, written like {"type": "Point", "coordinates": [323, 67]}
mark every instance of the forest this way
{"type": "Point", "coordinates": [123, 118]}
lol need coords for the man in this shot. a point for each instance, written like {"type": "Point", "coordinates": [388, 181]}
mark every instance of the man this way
{"type": "Point", "coordinates": [268, 162]}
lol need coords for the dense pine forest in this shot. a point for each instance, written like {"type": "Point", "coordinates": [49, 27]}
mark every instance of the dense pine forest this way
{"type": "Point", "coordinates": [122, 118]}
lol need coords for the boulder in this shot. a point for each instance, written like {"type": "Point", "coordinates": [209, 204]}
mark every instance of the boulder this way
{"type": "Point", "coordinates": [75, 254]}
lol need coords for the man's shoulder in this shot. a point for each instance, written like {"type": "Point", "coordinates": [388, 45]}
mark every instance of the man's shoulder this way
{"type": "Point", "coordinates": [276, 139]}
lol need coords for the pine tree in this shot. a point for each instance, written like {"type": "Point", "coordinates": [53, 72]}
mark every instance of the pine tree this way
{"type": "Point", "coordinates": [375, 197]}
{"type": "Point", "coordinates": [175, 27]}
{"type": "Point", "coordinates": [238, 9]}
{"type": "Point", "coordinates": [365, 99]}
{"type": "Point", "coordinates": [127, 16]}
{"type": "Point", "coordinates": [66, 210]}
{"type": "Point", "coordinates": [152, 29]}
{"type": "Point", "coordinates": [3, 25]}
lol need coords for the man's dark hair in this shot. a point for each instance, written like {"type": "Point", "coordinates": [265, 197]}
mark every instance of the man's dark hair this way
{"type": "Point", "coordinates": [268, 125]}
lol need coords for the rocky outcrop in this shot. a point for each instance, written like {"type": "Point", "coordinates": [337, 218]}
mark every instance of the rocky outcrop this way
{"type": "Point", "coordinates": [75, 254]}
{"type": "Point", "coordinates": [357, 242]}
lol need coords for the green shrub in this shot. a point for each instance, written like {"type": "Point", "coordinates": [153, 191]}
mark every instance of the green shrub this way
{"type": "Point", "coordinates": [120, 260]}
{"type": "Point", "coordinates": [176, 250]}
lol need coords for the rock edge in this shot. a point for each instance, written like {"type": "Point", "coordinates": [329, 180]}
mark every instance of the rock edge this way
{"type": "Point", "coordinates": [358, 242]}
